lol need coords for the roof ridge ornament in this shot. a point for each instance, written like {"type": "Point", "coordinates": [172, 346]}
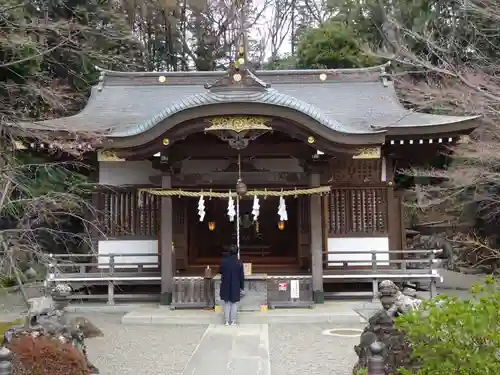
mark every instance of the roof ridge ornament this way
{"type": "Point", "coordinates": [238, 76]}
{"type": "Point", "coordinates": [102, 75]}
{"type": "Point", "coordinates": [384, 76]}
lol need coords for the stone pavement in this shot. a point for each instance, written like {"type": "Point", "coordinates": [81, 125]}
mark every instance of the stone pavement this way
{"type": "Point", "coordinates": [339, 312]}
{"type": "Point", "coordinates": [228, 350]}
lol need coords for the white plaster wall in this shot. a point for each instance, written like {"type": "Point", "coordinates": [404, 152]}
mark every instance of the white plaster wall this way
{"type": "Point", "coordinates": [368, 244]}
{"type": "Point", "coordinates": [118, 173]}
{"type": "Point", "coordinates": [106, 247]}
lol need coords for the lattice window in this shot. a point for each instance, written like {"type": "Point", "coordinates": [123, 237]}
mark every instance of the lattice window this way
{"type": "Point", "coordinates": [123, 213]}
{"type": "Point", "coordinates": [357, 210]}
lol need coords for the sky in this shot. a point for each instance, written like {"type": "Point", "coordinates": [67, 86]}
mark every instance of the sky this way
{"type": "Point", "coordinates": [261, 29]}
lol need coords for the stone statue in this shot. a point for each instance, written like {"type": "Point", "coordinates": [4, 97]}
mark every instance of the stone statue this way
{"type": "Point", "coordinates": [47, 317]}
{"type": "Point", "coordinates": [393, 301]}
{"type": "Point", "coordinates": [397, 351]}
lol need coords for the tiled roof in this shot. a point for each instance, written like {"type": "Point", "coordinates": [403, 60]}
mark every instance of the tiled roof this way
{"type": "Point", "coordinates": [356, 101]}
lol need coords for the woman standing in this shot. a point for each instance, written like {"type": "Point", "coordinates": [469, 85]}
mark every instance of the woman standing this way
{"type": "Point", "coordinates": [232, 284]}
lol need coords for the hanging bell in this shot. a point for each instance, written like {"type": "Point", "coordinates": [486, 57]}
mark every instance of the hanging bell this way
{"type": "Point", "coordinates": [241, 188]}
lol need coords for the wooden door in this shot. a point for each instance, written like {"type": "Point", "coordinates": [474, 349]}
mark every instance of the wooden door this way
{"type": "Point", "coordinates": [304, 232]}
{"type": "Point", "coordinates": [180, 232]}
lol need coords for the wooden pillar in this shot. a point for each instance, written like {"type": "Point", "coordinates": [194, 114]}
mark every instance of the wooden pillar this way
{"type": "Point", "coordinates": [394, 227]}
{"type": "Point", "coordinates": [316, 241]}
{"type": "Point", "coordinates": [167, 272]}
{"type": "Point", "coordinates": [94, 213]}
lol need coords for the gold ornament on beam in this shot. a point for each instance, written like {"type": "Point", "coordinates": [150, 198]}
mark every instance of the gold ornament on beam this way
{"type": "Point", "coordinates": [18, 145]}
{"type": "Point", "coordinates": [368, 153]}
{"type": "Point", "coordinates": [464, 139]}
{"type": "Point", "coordinates": [108, 156]}
{"type": "Point", "coordinates": [238, 124]}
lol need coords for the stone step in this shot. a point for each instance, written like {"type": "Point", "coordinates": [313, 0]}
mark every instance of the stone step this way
{"type": "Point", "coordinates": [339, 313]}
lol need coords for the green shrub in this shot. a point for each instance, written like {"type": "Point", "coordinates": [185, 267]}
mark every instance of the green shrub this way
{"type": "Point", "coordinates": [7, 281]}
{"type": "Point", "coordinates": [459, 337]}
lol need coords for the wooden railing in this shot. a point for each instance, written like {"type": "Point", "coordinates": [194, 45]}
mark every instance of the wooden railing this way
{"type": "Point", "coordinates": [81, 270]}
{"type": "Point", "coordinates": [81, 266]}
{"type": "Point", "coordinates": [417, 266]}
{"type": "Point", "coordinates": [392, 259]}
{"type": "Point", "coordinates": [111, 270]}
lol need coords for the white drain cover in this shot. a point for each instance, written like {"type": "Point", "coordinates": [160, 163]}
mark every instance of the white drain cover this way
{"type": "Point", "coordinates": [343, 332]}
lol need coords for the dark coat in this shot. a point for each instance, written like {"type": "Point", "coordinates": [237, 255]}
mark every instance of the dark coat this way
{"type": "Point", "coordinates": [232, 279]}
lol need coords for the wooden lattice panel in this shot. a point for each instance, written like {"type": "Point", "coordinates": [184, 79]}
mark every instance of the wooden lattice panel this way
{"type": "Point", "coordinates": [337, 211]}
{"type": "Point", "coordinates": [357, 210]}
{"type": "Point", "coordinates": [347, 170]}
{"type": "Point", "coordinates": [122, 213]}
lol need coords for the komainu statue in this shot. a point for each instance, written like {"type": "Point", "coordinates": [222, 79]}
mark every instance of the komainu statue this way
{"type": "Point", "coordinates": [397, 352]}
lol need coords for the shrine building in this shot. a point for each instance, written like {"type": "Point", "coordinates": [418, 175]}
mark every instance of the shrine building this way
{"type": "Point", "coordinates": [327, 143]}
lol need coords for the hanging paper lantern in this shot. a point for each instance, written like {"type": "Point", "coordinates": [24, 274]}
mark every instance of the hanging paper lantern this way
{"type": "Point", "coordinates": [241, 188]}
{"type": "Point", "coordinates": [211, 226]}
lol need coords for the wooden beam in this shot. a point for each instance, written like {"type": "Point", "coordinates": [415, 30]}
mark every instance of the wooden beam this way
{"type": "Point", "coordinates": [251, 178]}
{"type": "Point", "coordinates": [200, 150]}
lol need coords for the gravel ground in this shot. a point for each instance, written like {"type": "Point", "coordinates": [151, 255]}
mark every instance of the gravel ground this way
{"type": "Point", "coordinates": [165, 350]}
{"type": "Point", "coordinates": [303, 349]}
{"type": "Point", "coordinates": [142, 350]}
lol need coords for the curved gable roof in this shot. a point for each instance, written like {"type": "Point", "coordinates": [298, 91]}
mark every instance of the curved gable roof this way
{"type": "Point", "coordinates": [350, 101]}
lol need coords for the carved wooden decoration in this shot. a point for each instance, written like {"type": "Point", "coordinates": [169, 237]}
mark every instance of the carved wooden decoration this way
{"type": "Point", "coordinates": [368, 153]}
{"type": "Point", "coordinates": [238, 124]}
{"type": "Point", "coordinates": [108, 156]}
{"type": "Point", "coordinates": [238, 77]}
{"type": "Point", "coordinates": [238, 131]}
{"type": "Point", "coordinates": [347, 171]}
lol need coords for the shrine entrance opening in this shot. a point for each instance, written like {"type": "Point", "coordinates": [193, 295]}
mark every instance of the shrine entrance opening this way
{"type": "Point", "coordinates": [266, 243]}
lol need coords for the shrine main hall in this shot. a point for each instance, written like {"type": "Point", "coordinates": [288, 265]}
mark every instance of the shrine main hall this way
{"type": "Point", "coordinates": [295, 167]}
